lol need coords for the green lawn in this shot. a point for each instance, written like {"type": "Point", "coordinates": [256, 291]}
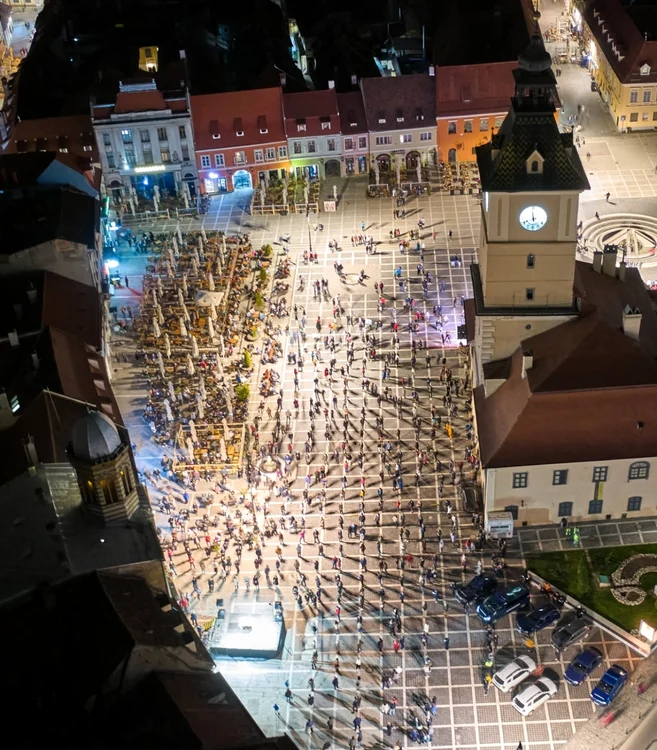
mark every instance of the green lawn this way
{"type": "Point", "coordinates": [570, 572]}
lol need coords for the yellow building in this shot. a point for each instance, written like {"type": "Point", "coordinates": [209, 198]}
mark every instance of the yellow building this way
{"type": "Point", "coordinates": [623, 60]}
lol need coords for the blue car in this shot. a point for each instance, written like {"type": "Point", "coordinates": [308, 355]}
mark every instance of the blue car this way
{"type": "Point", "coordinates": [479, 587]}
{"type": "Point", "coordinates": [582, 665]}
{"type": "Point", "coordinates": [501, 603]}
{"type": "Point", "coordinates": [610, 685]}
{"type": "Point", "coordinates": [537, 619]}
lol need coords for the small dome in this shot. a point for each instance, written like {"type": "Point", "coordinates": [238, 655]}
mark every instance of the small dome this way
{"type": "Point", "coordinates": [535, 59]}
{"type": "Point", "coordinates": [94, 437]}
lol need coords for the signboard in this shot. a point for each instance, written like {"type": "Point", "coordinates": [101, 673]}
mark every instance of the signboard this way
{"type": "Point", "coordinates": [500, 524]}
{"type": "Point", "coordinates": [329, 205]}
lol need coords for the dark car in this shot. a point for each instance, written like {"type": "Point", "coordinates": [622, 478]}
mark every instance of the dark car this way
{"type": "Point", "coordinates": [570, 631]}
{"type": "Point", "coordinates": [475, 589]}
{"type": "Point", "coordinates": [582, 665]}
{"type": "Point", "coordinates": [501, 603]}
{"type": "Point", "coordinates": [537, 619]}
{"type": "Point", "coordinates": [471, 499]}
{"type": "Point", "coordinates": [611, 683]}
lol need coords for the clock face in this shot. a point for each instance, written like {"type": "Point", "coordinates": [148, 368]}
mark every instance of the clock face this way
{"type": "Point", "coordinates": [533, 218]}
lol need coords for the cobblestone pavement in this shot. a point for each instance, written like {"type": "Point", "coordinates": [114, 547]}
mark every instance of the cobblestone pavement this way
{"type": "Point", "coordinates": [466, 717]}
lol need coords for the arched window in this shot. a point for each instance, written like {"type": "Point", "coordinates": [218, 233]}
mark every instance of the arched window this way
{"type": "Point", "coordinates": [639, 470]}
{"type": "Point", "coordinates": [109, 491]}
{"type": "Point", "coordinates": [513, 510]}
{"type": "Point", "coordinates": [531, 260]}
{"type": "Point", "coordinates": [535, 166]}
{"type": "Point", "coordinates": [565, 510]}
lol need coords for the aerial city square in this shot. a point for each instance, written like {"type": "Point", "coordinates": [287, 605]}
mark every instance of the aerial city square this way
{"type": "Point", "coordinates": [329, 339]}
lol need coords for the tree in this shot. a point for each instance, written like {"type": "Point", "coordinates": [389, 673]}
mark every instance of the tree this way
{"type": "Point", "coordinates": [267, 251]}
{"type": "Point", "coordinates": [263, 276]}
{"type": "Point", "coordinates": [259, 302]}
{"type": "Point", "coordinates": [248, 360]}
{"type": "Point", "coordinates": [242, 392]}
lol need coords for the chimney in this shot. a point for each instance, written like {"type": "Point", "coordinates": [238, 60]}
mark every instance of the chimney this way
{"type": "Point", "coordinates": [35, 360]}
{"type": "Point", "coordinates": [283, 79]}
{"type": "Point", "coordinates": [331, 84]}
{"type": "Point", "coordinates": [527, 362]}
{"type": "Point", "coordinates": [32, 295]}
{"type": "Point", "coordinates": [597, 261]}
{"type": "Point", "coordinates": [609, 261]}
{"type": "Point", "coordinates": [621, 270]}
{"type": "Point", "coordinates": [632, 322]}
{"type": "Point", "coordinates": [354, 80]}
{"type": "Point", "coordinates": [30, 451]}
{"type": "Point", "coordinates": [13, 338]}
{"type": "Point", "coordinates": [432, 71]}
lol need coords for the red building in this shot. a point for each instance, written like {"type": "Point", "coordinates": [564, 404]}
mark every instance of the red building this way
{"type": "Point", "coordinates": [239, 138]}
{"type": "Point", "coordinates": [355, 135]}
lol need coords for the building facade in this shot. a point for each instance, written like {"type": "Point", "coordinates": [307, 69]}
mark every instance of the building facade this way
{"type": "Point", "coordinates": [471, 104]}
{"type": "Point", "coordinates": [145, 139]}
{"type": "Point", "coordinates": [401, 119]}
{"type": "Point", "coordinates": [312, 127]}
{"type": "Point", "coordinates": [355, 136]}
{"type": "Point", "coordinates": [240, 139]}
{"type": "Point", "coordinates": [623, 60]}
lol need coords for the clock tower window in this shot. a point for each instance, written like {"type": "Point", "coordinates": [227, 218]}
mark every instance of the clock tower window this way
{"type": "Point", "coordinates": [531, 260]}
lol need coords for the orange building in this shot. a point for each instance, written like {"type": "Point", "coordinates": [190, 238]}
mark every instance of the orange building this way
{"type": "Point", "coordinates": [239, 138]}
{"type": "Point", "coordinates": [471, 102]}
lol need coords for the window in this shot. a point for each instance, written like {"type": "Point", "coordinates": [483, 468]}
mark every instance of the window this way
{"type": "Point", "coordinates": [451, 127]}
{"type": "Point", "coordinates": [185, 152]}
{"type": "Point", "coordinates": [165, 155]}
{"type": "Point", "coordinates": [654, 115]}
{"type": "Point", "coordinates": [240, 157]}
{"type": "Point", "coordinates": [162, 134]}
{"type": "Point", "coordinates": [565, 510]}
{"type": "Point", "coordinates": [634, 97]}
{"type": "Point", "coordinates": [634, 116]}
{"type": "Point", "coordinates": [127, 484]}
{"type": "Point", "coordinates": [647, 96]}
{"type": "Point", "coordinates": [498, 121]}
{"type": "Point", "coordinates": [362, 141]}
{"type": "Point", "coordinates": [595, 506]}
{"type": "Point", "coordinates": [634, 503]}
{"type": "Point", "coordinates": [531, 260]}
{"type": "Point", "coordinates": [560, 476]}
{"type": "Point", "coordinates": [520, 479]}
{"type": "Point", "coordinates": [483, 124]}
{"type": "Point", "coordinates": [644, 115]}
{"type": "Point", "coordinates": [205, 160]}
{"type": "Point", "coordinates": [219, 160]}
{"type": "Point", "coordinates": [110, 161]}
{"type": "Point", "coordinates": [425, 136]}
{"type": "Point", "coordinates": [301, 124]}
{"type": "Point", "coordinates": [330, 144]}
{"type": "Point", "coordinates": [130, 159]}
{"type": "Point", "coordinates": [126, 136]}
{"type": "Point", "coordinates": [296, 147]}
{"type": "Point", "coordinates": [639, 470]}
{"type": "Point", "coordinates": [383, 140]}
{"type": "Point", "coordinates": [513, 510]}
{"type": "Point", "coordinates": [326, 125]}
{"type": "Point", "coordinates": [348, 144]}
{"type": "Point", "coordinates": [529, 295]}
{"type": "Point", "coordinates": [148, 156]}
{"type": "Point", "coordinates": [406, 138]}
{"type": "Point", "coordinates": [271, 154]}
{"type": "Point", "coordinates": [600, 474]}
{"type": "Point", "coordinates": [107, 141]}
{"type": "Point", "coordinates": [535, 166]}
{"type": "Point", "coordinates": [182, 132]}
{"type": "Point", "coordinates": [282, 152]}
{"type": "Point", "coordinates": [109, 491]}
{"type": "Point", "coordinates": [259, 154]}
{"type": "Point", "coordinates": [145, 136]}
{"type": "Point", "coordinates": [467, 126]}
{"type": "Point", "coordinates": [311, 147]}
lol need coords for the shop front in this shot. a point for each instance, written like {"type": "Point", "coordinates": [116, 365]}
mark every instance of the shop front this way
{"type": "Point", "coordinates": [214, 183]}
{"type": "Point", "coordinates": [145, 179]}
{"type": "Point", "coordinates": [305, 169]}
{"type": "Point", "coordinates": [355, 164]}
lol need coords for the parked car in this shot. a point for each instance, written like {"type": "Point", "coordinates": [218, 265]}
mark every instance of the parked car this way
{"type": "Point", "coordinates": [537, 619]}
{"type": "Point", "coordinates": [582, 665]}
{"type": "Point", "coordinates": [501, 603]}
{"type": "Point", "coordinates": [534, 696]}
{"type": "Point", "coordinates": [514, 673]}
{"type": "Point", "coordinates": [471, 499]}
{"type": "Point", "coordinates": [611, 683]}
{"type": "Point", "coordinates": [475, 589]}
{"type": "Point", "coordinates": [569, 631]}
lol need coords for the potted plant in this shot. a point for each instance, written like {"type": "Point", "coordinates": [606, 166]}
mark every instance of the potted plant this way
{"type": "Point", "coordinates": [242, 392]}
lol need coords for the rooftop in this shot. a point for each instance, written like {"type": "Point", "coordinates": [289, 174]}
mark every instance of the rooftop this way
{"type": "Point", "coordinates": [474, 89]}
{"type": "Point", "coordinates": [352, 113]}
{"type": "Point", "coordinates": [399, 103]}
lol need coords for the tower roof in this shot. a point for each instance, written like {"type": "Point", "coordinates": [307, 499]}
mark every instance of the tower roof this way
{"type": "Point", "coordinates": [535, 58]}
{"type": "Point", "coordinates": [94, 437]}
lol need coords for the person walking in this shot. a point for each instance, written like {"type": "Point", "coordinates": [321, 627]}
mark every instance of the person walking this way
{"type": "Point", "coordinates": [277, 710]}
{"type": "Point", "coordinates": [127, 285]}
{"type": "Point", "coordinates": [446, 642]}
{"type": "Point", "coordinates": [288, 695]}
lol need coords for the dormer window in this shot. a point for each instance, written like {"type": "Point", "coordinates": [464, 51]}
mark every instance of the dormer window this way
{"type": "Point", "coordinates": [237, 124]}
{"type": "Point", "coordinates": [381, 117]}
{"type": "Point", "coordinates": [645, 70]}
{"type": "Point", "coordinates": [326, 123]}
{"type": "Point", "coordinates": [534, 163]}
{"type": "Point", "coordinates": [400, 115]}
{"type": "Point", "coordinates": [214, 129]}
{"type": "Point", "coordinates": [419, 114]}
{"type": "Point", "coordinates": [301, 124]}
{"type": "Point", "coordinates": [262, 125]}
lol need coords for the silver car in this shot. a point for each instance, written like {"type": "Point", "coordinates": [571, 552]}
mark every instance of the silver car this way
{"type": "Point", "coordinates": [514, 673]}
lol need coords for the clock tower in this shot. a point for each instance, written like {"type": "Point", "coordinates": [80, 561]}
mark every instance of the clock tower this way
{"type": "Point", "coordinates": [531, 178]}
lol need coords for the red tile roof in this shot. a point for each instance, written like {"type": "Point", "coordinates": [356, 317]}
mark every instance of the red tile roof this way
{"type": "Point", "coordinates": [352, 113]}
{"type": "Point", "coordinates": [312, 107]}
{"type": "Point", "coordinates": [77, 129]}
{"type": "Point", "coordinates": [412, 98]}
{"type": "Point", "coordinates": [139, 101]}
{"type": "Point", "coordinates": [619, 32]}
{"type": "Point", "coordinates": [474, 89]}
{"type": "Point", "coordinates": [221, 114]}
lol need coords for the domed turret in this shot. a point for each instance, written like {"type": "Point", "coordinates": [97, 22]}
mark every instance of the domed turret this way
{"type": "Point", "coordinates": [94, 437]}
{"type": "Point", "coordinates": [535, 58]}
